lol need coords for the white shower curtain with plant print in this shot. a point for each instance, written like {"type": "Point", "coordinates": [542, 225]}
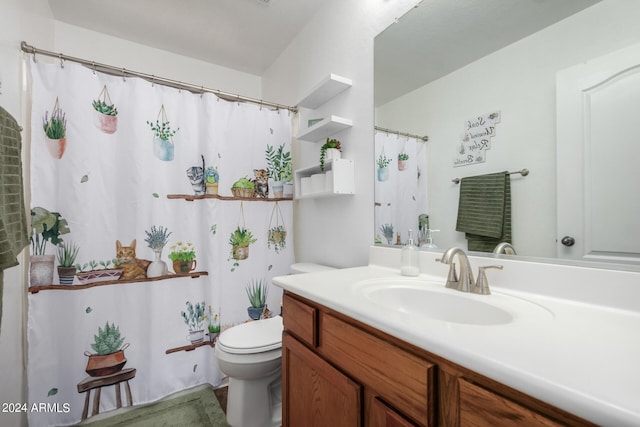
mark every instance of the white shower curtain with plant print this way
{"type": "Point", "coordinates": [123, 177]}
{"type": "Point", "coordinates": [400, 187]}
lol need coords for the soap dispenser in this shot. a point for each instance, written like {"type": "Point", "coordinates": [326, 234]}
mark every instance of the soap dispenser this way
{"type": "Point", "coordinates": [410, 258]}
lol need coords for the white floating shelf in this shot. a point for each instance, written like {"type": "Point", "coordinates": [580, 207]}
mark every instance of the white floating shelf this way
{"type": "Point", "coordinates": [325, 90]}
{"type": "Point", "coordinates": [325, 128]}
{"type": "Point", "coordinates": [337, 179]}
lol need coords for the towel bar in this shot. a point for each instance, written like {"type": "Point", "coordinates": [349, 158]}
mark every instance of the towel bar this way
{"type": "Point", "coordinates": [523, 172]}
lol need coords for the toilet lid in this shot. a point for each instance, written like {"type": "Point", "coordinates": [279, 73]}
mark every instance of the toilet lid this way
{"type": "Point", "coordinates": [252, 337]}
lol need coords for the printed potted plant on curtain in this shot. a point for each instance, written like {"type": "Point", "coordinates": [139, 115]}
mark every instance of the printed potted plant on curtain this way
{"type": "Point", "coordinates": [67, 253]}
{"type": "Point", "coordinates": [277, 233]}
{"type": "Point", "coordinates": [194, 319]}
{"type": "Point", "coordinates": [99, 271]}
{"type": "Point", "coordinates": [402, 160]}
{"type": "Point", "coordinates": [55, 131]}
{"type": "Point", "coordinates": [214, 325]}
{"type": "Point", "coordinates": [257, 291]}
{"type": "Point", "coordinates": [157, 238]}
{"type": "Point", "coordinates": [183, 256]}
{"type": "Point", "coordinates": [211, 179]}
{"type": "Point", "coordinates": [163, 146]}
{"type": "Point", "coordinates": [109, 352]}
{"type": "Point", "coordinates": [277, 161]}
{"type": "Point", "coordinates": [387, 232]}
{"type": "Point", "coordinates": [105, 113]}
{"type": "Point", "coordinates": [45, 227]}
{"type": "Point", "coordinates": [383, 167]}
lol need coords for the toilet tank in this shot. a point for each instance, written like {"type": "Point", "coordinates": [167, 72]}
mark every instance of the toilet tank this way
{"type": "Point", "coordinates": [308, 267]}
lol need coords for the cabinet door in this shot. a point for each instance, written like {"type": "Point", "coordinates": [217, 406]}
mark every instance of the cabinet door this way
{"type": "Point", "coordinates": [481, 407]}
{"type": "Point", "coordinates": [382, 415]}
{"type": "Point", "coordinates": [314, 392]}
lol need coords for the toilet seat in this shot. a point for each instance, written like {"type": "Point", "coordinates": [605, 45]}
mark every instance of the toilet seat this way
{"type": "Point", "coordinates": [252, 337]}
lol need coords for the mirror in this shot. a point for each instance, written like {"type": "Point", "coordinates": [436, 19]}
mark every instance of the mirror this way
{"type": "Point", "coordinates": [445, 65]}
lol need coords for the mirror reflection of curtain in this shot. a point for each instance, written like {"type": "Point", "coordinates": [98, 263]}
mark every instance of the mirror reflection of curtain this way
{"type": "Point", "coordinates": [401, 190]}
{"type": "Point", "coordinates": [112, 181]}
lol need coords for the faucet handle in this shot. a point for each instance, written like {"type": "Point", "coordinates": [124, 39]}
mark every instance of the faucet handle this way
{"type": "Point", "coordinates": [482, 284]}
{"type": "Point", "coordinates": [452, 277]}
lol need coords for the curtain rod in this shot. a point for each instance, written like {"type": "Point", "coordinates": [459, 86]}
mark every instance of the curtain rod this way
{"type": "Point", "coordinates": [114, 71]}
{"type": "Point", "coordinates": [395, 132]}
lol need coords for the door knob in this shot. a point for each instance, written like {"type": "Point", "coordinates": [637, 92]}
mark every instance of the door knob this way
{"type": "Point", "coordinates": [568, 241]}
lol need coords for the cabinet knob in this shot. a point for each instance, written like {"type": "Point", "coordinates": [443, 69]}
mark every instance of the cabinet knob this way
{"type": "Point", "coordinates": [568, 241]}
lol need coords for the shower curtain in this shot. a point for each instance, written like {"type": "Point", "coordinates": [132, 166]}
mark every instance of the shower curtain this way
{"type": "Point", "coordinates": [119, 166]}
{"type": "Point", "coordinates": [400, 187]}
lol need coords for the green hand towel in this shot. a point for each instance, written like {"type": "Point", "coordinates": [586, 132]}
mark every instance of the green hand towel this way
{"type": "Point", "coordinates": [484, 210]}
{"type": "Point", "coordinates": [13, 217]}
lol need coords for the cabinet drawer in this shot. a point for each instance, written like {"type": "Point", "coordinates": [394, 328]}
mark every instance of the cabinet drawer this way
{"type": "Point", "coordinates": [479, 406]}
{"type": "Point", "coordinates": [402, 379]}
{"type": "Point", "coordinates": [300, 320]}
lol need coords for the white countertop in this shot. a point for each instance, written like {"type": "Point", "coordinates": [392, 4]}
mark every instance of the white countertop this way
{"type": "Point", "coordinates": [577, 355]}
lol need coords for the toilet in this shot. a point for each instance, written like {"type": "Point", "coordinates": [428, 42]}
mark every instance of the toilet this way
{"type": "Point", "coordinates": [250, 354]}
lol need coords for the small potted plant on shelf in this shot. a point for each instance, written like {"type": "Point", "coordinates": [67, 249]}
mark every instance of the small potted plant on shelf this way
{"type": "Point", "coordinates": [277, 161]}
{"type": "Point", "coordinates": [157, 238]}
{"type": "Point", "coordinates": [67, 253]}
{"type": "Point", "coordinates": [383, 167]}
{"type": "Point", "coordinates": [214, 325]}
{"type": "Point", "coordinates": [194, 318]}
{"type": "Point", "coordinates": [243, 187]}
{"type": "Point", "coordinates": [330, 150]}
{"type": "Point", "coordinates": [55, 130]}
{"type": "Point", "coordinates": [109, 352]}
{"type": "Point", "coordinates": [106, 114]}
{"type": "Point", "coordinates": [257, 291]}
{"type": "Point", "coordinates": [45, 227]}
{"type": "Point", "coordinates": [240, 240]}
{"type": "Point", "coordinates": [211, 179]}
{"type": "Point", "coordinates": [183, 256]}
{"type": "Point", "coordinates": [402, 161]}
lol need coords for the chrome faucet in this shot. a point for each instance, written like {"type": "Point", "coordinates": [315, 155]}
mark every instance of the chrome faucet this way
{"type": "Point", "coordinates": [466, 282]}
{"type": "Point", "coordinates": [505, 248]}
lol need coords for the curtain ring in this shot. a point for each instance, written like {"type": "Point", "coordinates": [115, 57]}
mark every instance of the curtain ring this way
{"type": "Point", "coordinates": [201, 91]}
{"type": "Point", "coordinates": [61, 60]}
{"type": "Point", "coordinates": [238, 98]}
{"type": "Point", "coordinates": [123, 75]}
{"type": "Point", "coordinates": [93, 67]}
{"type": "Point", "coordinates": [261, 105]}
{"type": "Point", "coordinates": [153, 82]}
{"type": "Point", "coordinates": [33, 49]}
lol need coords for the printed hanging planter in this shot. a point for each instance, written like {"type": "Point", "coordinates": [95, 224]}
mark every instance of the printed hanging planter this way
{"type": "Point", "coordinates": [240, 239]}
{"type": "Point", "coordinates": [55, 129]}
{"type": "Point", "coordinates": [277, 233]}
{"type": "Point", "coordinates": [105, 113]}
{"type": "Point", "coordinates": [163, 146]}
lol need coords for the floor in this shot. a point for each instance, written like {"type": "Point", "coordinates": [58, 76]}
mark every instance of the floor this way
{"type": "Point", "coordinates": [221, 394]}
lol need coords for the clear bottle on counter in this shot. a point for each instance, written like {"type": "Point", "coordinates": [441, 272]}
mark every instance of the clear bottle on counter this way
{"type": "Point", "coordinates": [410, 258]}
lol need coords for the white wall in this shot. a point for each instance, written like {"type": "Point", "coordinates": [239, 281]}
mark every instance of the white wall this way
{"type": "Point", "coordinates": [32, 21]}
{"type": "Point", "coordinates": [520, 82]}
{"type": "Point", "coordinates": [336, 231]}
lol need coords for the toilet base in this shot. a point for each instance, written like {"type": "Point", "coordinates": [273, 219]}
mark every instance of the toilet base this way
{"type": "Point", "coordinates": [255, 403]}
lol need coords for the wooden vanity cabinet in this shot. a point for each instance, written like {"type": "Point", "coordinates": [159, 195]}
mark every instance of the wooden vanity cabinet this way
{"type": "Point", "coordinates": [340, 372]}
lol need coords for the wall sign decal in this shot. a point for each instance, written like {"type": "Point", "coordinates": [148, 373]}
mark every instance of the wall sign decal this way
{"type": "Point", "coordinates": [476, 139]}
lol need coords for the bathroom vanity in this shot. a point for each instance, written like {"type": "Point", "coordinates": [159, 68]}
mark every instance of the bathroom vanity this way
{"type": "Point", "coordinates": [357, 350]}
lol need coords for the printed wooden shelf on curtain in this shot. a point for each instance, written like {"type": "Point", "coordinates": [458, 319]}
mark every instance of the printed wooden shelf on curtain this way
{"type": "Point", "coordinates": [163, 145]}
{"type": "Point", "coordinates": [105, 112]}
{"type": "Point", "coordinates": [36, 289]}
{"type": "Point", "coordinates": [192, 197]}
{"type": "Point", "coordinates": [190, 347]}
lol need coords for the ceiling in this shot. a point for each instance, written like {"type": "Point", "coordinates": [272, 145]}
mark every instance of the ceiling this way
{"type": "Point", "coordinates": [245, 35]}
{"type": "Point", "coordinates": [435, 38]}
{"type": "Point", "coordinates": [440, 36]}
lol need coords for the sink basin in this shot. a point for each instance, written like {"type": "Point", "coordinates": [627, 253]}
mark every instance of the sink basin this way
{"type": "Point", "coordinates": [433, 301]}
